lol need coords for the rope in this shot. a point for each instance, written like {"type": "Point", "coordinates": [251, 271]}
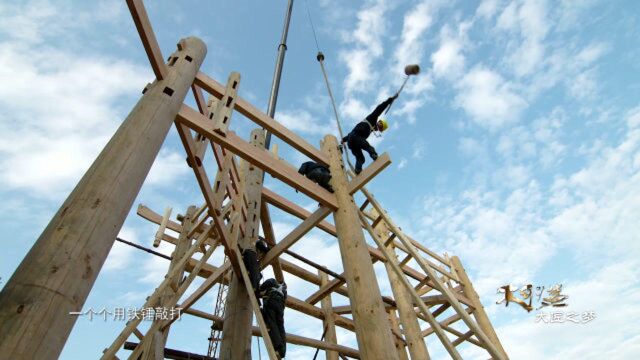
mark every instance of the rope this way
{"type": "Point", "coordinates": [320, 58]}
{"type": "Point", "coordinates": [313, 28]}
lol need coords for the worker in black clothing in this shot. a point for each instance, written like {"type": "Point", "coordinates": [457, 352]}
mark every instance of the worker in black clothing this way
{"type": "Point", "coordinates": [274, 295]}
{"type": "Point", "coordinates": [250, 260]}
{"type": "Point", "coordinates": [318, 173]}
{"type": "Point", "coordinates": [357, 138]}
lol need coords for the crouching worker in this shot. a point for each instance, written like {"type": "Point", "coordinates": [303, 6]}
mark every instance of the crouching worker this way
{"type": "Point", "coordinates": [274, 295]}
{"type": "Point", "coordinates": [357, 138]}
{"type": "Point", "coordinates": [317, 173]}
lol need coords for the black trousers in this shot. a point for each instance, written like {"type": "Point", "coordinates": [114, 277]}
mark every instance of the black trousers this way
{"type": "Point", "coordinates": [357, 144]}
{"type": "Point", "coordinates": [273, 314]}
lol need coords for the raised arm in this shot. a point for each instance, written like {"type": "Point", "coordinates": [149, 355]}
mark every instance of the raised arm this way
{"type": "Point", "coordinates": [373, 117]}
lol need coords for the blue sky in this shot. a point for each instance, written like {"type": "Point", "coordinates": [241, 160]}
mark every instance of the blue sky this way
{"type": "Point", "coordinates": [517, 148]}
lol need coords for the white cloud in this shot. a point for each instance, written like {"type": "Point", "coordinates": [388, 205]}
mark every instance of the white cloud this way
{"type": "Point", "coordinates": [584, 85]}
{"type": "Point", "coordinates": [121, 254]}
{"type": "Point", "coordinates": [612, 293]}
{"type": "Point", "coordinates": [449, 61]}
{"type": "Point", "coordinates": [353, 109]}
{"type": "Point", "coordinates": [487, 8]}
{"type": "Point", "coordinates": [489, 99]}
{"type": "Point", "coordinates": [167, 168]}
{"type": "Point", "coordinates": [527, 22]}
{"type": "Point", "coordinates": [589, 212]}
{"type": "Point", "coordinates": [365, 44]}
{"type": "Point", "coordinates": [302, 121]}
{"type": "Point", "coordinates": [51, 136]}
{"type": "Point", "coordinates": [418, 149]}
{"type": "Point", "coordinates": [403, 162]}
{"type": "Point", "coordinates": [416, 21]}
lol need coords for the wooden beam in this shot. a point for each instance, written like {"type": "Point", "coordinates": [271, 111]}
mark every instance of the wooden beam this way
{"type": "Point", "coordinates": [415, 343]}
{"type": "Point", "coordinates": [274, 253]}
{"type": "Point", "coordinates": [149, 42]}
{"type": "Point", "coordinates": [258, 157]}
{"type": "Point", "coordinates": [236, 334]}
{"type": "Point", "coordinates": [329, 324]}
{"type": "Point", "coordinates": [392, 261]}
{"type": "Point", "coordinates": [290, 338]}
{"type": "Point", "coordinates": [373, 331]}
{"type": "Point", "coordinates": [479, 314]}
{"type": "Point", "coordinates": [294, 209]}
{"type": "Point", "coordinates": [395, 327]}
{"type": "Point", "coordinates": [270, 238]}
{"type": "Point", "coordinates": [263, 120]}
{"type": "Point", "coordinates": [446, 322]}
{"type": "Point", "coordinates": [369, 173]}
{"type": "Point", "coordinates": [295, 235]}
{"type": "Point", "coordinates": [428, 269]}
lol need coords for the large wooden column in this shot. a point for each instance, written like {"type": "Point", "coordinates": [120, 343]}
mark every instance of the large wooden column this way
{"type": "Point", "coordinates": [329, 324]}
{"type": "Point", "coordinates": [238, 315]}
{"type": "Point", "coordinates": [479, 314]}
{"type": "Point", "coordinates": [408, 317]}
{"type": "Point", "coordinates": [372, 326]}
{"type": "Point", "coordinates": [58, 272]}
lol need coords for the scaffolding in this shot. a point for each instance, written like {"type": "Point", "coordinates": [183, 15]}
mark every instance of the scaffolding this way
{"type": "Point", "coordinates": [74, 246]}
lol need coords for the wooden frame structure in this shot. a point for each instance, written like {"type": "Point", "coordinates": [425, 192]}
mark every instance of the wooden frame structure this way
{"type": "Point", "coordinates": [235, 204]}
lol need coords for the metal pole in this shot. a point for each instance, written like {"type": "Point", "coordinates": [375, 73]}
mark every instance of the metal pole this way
{"type": "Point", "coordinates": [275, 85]}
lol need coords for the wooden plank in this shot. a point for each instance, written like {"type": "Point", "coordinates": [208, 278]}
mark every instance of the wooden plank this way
{"type": "Point", "coordinates": [149, 42]}
{"type": "Point", "coordinates": [270, 238]}
{"type": "Point", "coordinates": [162, 227]}
{"type": "Point", "coordinates": [415, 342]}
{"type": "Point", "coordinates": [258, 157]}
{"type": "Point", "coordinates": [153, 299]}
{"type": "Point", "coordinates": [462, 338]}
{"type": "Point", "coordinates": [479, 314]}
{"type": "Point", "coordinates": [369, 173]}
{"type": "Point", "coordinates": [395, 327]}
{"type": "Point", "coordinates": [391, 260]}
{"type": "Point", "coordinates": [290, 338]}
{"type": "Point", "coordinates": [263, 120]}
{"type": "Point", "coordinates": [428, 269]}
{"type": "Point", "coordinates": [294, 209]}
{"type": "Point", "coordinates": [329, 324]}
{"type": "Point", "coordinates": [274, 253]}
{"type": "Point", "coordinates": [295, 235]}
{"type": "Point", "coordinates": [325, 290]}
{"type": "Point", "coordinates": [236, 334]}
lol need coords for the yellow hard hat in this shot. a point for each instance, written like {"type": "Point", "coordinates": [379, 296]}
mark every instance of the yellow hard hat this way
{"type": "Point", "coordinates": [382, 124]}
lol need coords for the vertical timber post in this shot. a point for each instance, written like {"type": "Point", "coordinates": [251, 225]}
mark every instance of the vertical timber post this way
{"type": "Point", "coordinates": [373, 331]}
{"type": "Point", "coordinates": [329, 324]}
{"type": "Point", "coordinates": [238, 315]}
{"type": "Point", "coordinates": [154, 343]}
{"type": "Point", "coordinates": [400, 348]}
{"type": "Point", "coordinates": [408, 317]}
{"type": "Point", "coordinates": [479, 314]}
{"type": "Point", "coordinates": [59, 271]}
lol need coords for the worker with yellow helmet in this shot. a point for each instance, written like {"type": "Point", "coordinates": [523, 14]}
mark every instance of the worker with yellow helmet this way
{"type": "Point", "coordinates": [357, 138]}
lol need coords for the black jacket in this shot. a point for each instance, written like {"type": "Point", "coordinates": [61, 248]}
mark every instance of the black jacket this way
{"type": "Point", "coordinates": [309, 166]}
{"type": "Point", "coordinates": [363, 129]}
{"type": "Point", "coordinates": [271, 287]}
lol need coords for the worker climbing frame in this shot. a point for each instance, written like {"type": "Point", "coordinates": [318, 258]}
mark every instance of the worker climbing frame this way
{"type": "Point", "coordinates": [235, 204]}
